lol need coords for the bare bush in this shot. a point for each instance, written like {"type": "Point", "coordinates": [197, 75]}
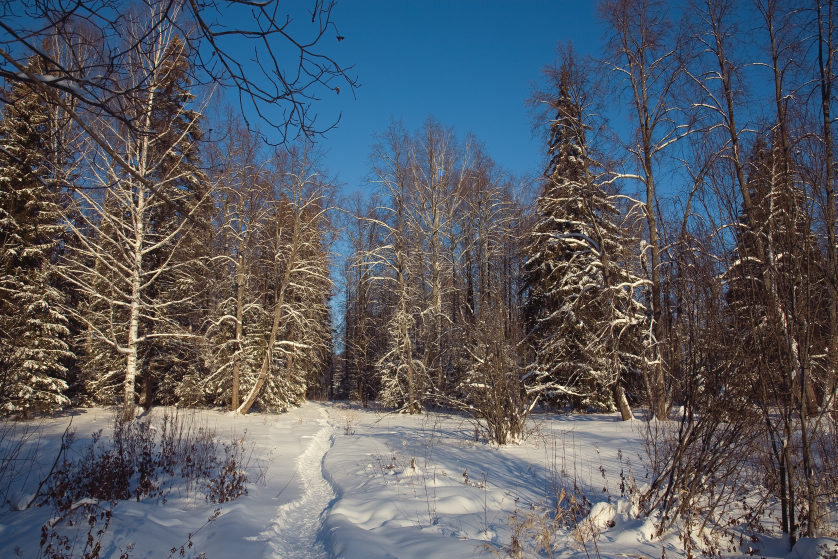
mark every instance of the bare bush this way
{"type": "Point", "coordinates": [93, 515]}
{"type": "Point", "coordinates": [142, 461]}
{"type": "Point", "coordinates": [699, 465]}
{"type": "Point", "coordinates": [230, 481]}
{"type": "Point", "coordinates": [139, 460]}
{"type": "Point", "coordinates": [565, 516]}
{"type": "Point", "coordinates": [535, 526]}
{"type": "Point", "coordinates": [493, 389]}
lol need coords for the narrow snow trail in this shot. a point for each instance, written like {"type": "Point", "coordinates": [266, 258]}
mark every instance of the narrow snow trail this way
{"type": "Point", "coordinates": [293, 533]}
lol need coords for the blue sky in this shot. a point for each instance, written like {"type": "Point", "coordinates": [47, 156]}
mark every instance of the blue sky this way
{"type": "Point", "coordinates": [470, 64]}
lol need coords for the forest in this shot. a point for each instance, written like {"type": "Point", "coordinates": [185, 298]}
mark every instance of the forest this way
{"type": "Point", "coordinates": [679, 262]}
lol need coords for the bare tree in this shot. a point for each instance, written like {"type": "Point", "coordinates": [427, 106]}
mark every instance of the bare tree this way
{"type": "Point", "coordinates": [120, 254]}
{"type": "Point", "coordinates": [826, 77]}
{"type": "Point", "coordinates": [286, 71]}
{"type": "Point", "coordinates": [438, 168]}
{"type": "Point", "coordinates": [366, 302]}
{"type": "Point", "coordinates": [643, 55]}
{"type": "Point", "coordinates": [775, 286]}
{"type": "Point", "coordinates": [403, 375]}
{"type": "Point", "coordinates": [491, 354]}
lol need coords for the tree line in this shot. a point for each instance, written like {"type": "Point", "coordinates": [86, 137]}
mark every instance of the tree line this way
{"type": "Point", "coordinates": [142, 262]}
{"type": "Point", "coordinates": [680, 259]}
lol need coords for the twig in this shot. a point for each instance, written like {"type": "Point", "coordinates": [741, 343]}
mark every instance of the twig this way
{"type": "Point", "coordinates": [61, 451]}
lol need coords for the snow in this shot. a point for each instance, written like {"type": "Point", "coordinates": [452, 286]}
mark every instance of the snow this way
{"type": "Point", "coordinates": [331, 480]}
{"type": "Point", "coordinates": [811, 548]}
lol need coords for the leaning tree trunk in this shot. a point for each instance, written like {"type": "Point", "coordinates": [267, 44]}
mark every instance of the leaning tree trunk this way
{"type": "Point", "coordinates": [622, 403]}
{"type": "Point", "coordinates": [277, 321]}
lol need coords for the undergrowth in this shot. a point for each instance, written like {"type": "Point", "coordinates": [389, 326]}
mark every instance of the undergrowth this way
{"type": "Point", "coordinates": [142, 460]}
{"type": "Point", "coordinates": [572, 512]}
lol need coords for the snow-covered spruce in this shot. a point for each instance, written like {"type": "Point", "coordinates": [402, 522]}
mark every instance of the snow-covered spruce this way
{"type": "Point", "coordinates": [583, 321]}
{"type": "Point", "coordinates": [33, 327]}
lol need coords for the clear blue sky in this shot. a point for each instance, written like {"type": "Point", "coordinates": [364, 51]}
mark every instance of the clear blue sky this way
{"type": "Point", "coordinates": [470, 64]}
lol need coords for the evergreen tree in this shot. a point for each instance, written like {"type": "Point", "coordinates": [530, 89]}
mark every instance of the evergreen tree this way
{"type": "Point", "coordinates": [33, 329]}
{"type": "Point", "coordinates": [302, 352]}
{"type": "Point", "coordinates": [242, 193]}
{"type": "Point", "coordinates": [746, 295]}
{"type": "Point", "coordinates": [581, 316]}
{"type": "Point", "coordinates": [270, 327]}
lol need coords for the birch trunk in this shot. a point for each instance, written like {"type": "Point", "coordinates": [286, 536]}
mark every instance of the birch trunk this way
{"type": "Point", "coordinates": [132, 347]}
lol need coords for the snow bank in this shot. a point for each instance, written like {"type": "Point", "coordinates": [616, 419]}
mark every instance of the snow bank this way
{"type": "Point", "coordinates": [814, 548]}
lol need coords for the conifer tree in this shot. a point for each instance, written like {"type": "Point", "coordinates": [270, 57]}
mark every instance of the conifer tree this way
{"type": "Point", "coordinates": [301, 352]}
{"type": "Point", "coordinates": [779, 222]}
{"type": "Point", "coordinates": [33, 329]}
{"type": "Point", "coordinates": [581, 316]}
{"type": "Point", "coordinates": [241, 196]}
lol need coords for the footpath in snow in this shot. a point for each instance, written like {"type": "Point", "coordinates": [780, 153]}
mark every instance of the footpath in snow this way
{"type": "Point", "coordinates": [331, 480]}
{"type": "Point", "coordinates": [281, 515]}
{"type": "Point", "coordinates": [294, 532]}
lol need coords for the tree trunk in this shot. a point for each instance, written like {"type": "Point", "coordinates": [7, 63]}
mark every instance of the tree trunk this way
{"type": "Point", "coordinates": [134, 313]}
{"type": "Point", "coordinates": [790, 493]}
{"type": "Point", "coordinates": [622, 403]}
{"type": "Point", "coordinates": [128, 386]}
{"type": "Point", "coordinates": [147, 391]}
{"type": "Point", "coordinates": [266, 362]}
{"type": "Point", "coordinates": [813, 523]}
{"type": "Point", "coordinates": [436, 295]}
{"type": "Point", "coordinates": [277, 321]}
{"type": "Point", "coordinates": [825, 69]}
{"type": "Point", "coordinates": [237, 360]}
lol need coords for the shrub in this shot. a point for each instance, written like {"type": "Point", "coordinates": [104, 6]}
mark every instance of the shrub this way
{"type": "Point", "coordinates": [138, 460]}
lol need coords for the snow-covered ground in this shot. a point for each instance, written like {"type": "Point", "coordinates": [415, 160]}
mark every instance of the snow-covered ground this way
{"type": "Point", "coordinates": [336, 481]}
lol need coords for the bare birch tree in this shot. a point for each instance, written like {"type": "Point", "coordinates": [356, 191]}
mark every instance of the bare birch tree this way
{"type": "Point", "coordinates": [115, 237]}
{"type": "Point", "coordinates": [773, 281]}
{"type": "Point", "coordinates": [825, 79]}
{"type": "Point", "coordinates": [403, 374]}
{"type": "Point", "coordinates": [438, 169]}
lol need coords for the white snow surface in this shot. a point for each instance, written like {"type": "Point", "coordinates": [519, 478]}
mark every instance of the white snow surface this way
{"type": "Point", "coordinates": [332, 480]}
